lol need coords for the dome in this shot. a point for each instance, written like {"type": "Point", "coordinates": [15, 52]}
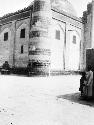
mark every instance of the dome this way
{"type": "Point", "coordinates": [64, 5]}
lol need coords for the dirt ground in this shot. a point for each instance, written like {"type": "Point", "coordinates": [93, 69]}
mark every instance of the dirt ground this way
{"type": "Point", "coordinates": [43, 101]}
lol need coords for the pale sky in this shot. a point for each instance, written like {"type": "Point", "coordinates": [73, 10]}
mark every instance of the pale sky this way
{"type": "Point", "coordinates": [8, 6]}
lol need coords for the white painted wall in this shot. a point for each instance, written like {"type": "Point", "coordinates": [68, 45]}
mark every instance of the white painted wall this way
{"type": "Point", "coordinates": [4, 46]}
{"type": "Point", "coordinates": [57, 47]}
{"type": "Point", "coordinates": [21, 60]}
{"type": "Point", "coordinates": [73, 51]}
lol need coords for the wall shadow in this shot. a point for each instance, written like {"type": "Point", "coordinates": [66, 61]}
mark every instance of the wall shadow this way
{"type": "Point", "coordinates": [75, 97]}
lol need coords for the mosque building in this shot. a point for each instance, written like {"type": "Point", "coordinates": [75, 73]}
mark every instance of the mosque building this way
{"type": "Point", "coordinates": [48, 32]}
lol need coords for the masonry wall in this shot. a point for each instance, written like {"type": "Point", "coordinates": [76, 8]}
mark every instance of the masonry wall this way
{"type": "Point", "coordinates": [6, 47]}
{"type": "Point", "coordinates": [21, 59]}
{"type": "Point", "coordinates": [87, 31]}
{"type": "Point", "coordinates": [10, 50]}
{"type": "Point", "coordinates": [57, 46]}
{"type": "Point", "coordinates": [72, 53]}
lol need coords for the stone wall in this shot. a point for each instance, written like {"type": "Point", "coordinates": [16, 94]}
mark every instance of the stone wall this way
{"type": "Point", "coordinates": [87, 31]}
{"type": "Point", "coordinates": [57, 46]}
{"type": "Point", "coordinates": [72, 26]}
{"type": "Point", "coordinates": [10, 50]}
{"type": "Point", "coordinates": [5, 46]}
{"type": "Point", "coordinates": [59, 49]}
{"type": "Point", "coordinates": [21, 60]}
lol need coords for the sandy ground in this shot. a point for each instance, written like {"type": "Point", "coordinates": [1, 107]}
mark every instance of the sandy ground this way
{"type": "Point", "coordinates": [43, 101]}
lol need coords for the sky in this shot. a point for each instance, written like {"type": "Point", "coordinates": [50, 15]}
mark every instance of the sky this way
{"type": "Point", "coordinates": [8, 6]}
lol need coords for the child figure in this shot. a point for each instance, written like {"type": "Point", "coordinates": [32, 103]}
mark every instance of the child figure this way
{"type": "Point", "coordinates": [83, 83]}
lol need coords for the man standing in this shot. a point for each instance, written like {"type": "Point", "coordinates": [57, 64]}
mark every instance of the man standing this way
{"type": "Point", "coordinates": [89, 77]}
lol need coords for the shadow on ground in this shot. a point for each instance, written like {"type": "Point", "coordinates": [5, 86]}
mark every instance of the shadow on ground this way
{"type": "Point", "coordinates": [75, 97]}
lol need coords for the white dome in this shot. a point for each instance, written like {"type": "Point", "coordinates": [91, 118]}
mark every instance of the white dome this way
{"type": "Point", "coordinates": [64, 5]}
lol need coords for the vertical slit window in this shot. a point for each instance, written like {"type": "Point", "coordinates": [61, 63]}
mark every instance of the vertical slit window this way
{"type": "Point", "coordinates": [22, 49]}
{"type": "Point", "coordinates": [6, 36]}
{"type": "Point", "coordinates": [74, 39]}
{"type": "Point", "coordinates": [22, 33]}
{"type": "Point", "coordinates": [58, 34]}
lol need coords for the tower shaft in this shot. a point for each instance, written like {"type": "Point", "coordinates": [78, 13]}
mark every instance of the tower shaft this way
{"type": "Point", "coordinates": [39, 47]}
{"type": "Point", "coordinates": [92, 29]}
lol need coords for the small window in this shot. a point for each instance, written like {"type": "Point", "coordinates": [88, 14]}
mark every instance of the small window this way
{"type": "Point", "coordinates": [22, 34]}
{"type": "Point", "coordinates": [58, 34]}
{"type": "Point", "coordinates": [22, 49]}
{"type": "Point", "coordinates": [6, 36]}
{"type": "Point", "coordinates": [74, 39]}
